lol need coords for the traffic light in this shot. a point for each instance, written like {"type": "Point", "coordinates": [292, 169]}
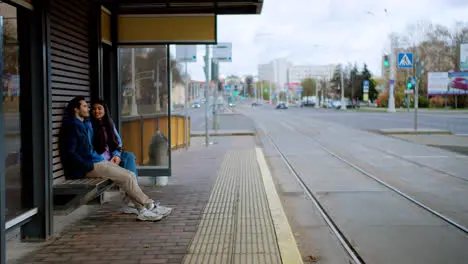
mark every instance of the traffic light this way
{"type": "Point", "coordinates": [386, 62]}
{"type": "Point", "coordinates": [409, 83]}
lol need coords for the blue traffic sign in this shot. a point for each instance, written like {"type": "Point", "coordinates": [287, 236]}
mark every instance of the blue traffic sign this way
{"type": "Point", "coordinates": [299, 89]}
{"type": "Point", "coordinates": [405, 60]}
{"type": "Point", "coordinates": [366, 86]}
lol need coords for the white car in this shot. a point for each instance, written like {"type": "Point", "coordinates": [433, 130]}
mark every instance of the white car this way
{"type": "Point", "coordinates": [282, 105]}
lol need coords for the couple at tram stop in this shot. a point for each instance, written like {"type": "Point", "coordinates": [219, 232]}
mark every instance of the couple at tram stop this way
{"type": "Point", "coordinates": [91, 147]}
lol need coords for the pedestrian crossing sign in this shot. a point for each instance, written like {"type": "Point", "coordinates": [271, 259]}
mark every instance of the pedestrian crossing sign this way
{"type": "Point", "coordinates": [405, 60]}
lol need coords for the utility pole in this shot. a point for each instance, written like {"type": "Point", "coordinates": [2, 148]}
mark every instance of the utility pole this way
{"type": "Point", "coordinates": [393, 65]}
{"type": "Point", "coordinates": [186, 106]}
{"type": "Point", "coordinates": [207, 87]}
{"type": "Point", "coordinates": [343, 103]}
{"type": "Point", "coordinates": [269, 94]}
{"type": "Point", "coordinates": [316, 93]}
{"type": "Point", "coordinates": [419, 73]}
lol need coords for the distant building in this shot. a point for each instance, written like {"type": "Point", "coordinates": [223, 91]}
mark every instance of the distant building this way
{"type": "Point", "coordinates": [276, 71]}
{"type": "Point", "coordinates": [301, 72]}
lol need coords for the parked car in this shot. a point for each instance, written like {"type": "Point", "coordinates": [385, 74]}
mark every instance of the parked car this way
{"type": "Point", "coordinates": [256, 103]}
{"type": "Point", "coordinates": [336, 104]}
{"type": "Point", "coordinates": [282, 105]}
{"type": "Point", "coordinates": [352, 104]}
{"type": "Point", "coordinates": [196, 104]}
{"type": "Point", "coordinates": [308, 103]}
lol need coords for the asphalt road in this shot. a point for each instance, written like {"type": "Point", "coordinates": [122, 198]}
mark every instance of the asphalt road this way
{"type": "Point", "coordinates": [381, 225]}
{"type": "Point", "coordinates": [457, 123]}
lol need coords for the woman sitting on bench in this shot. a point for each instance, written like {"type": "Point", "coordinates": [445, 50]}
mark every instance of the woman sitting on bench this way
{"type": "Point", "coordinates": [107, 142]}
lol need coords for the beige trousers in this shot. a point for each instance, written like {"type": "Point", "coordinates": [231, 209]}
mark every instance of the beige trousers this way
{"type": "Point", "coordinates": [125, 179]}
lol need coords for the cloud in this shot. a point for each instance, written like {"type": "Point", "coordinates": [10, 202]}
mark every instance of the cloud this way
{"type": "Point", "coordinates": [324, 31]}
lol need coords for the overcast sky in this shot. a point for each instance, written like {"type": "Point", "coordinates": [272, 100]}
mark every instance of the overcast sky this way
{"type": "Point", "coordinates": [323, 31]}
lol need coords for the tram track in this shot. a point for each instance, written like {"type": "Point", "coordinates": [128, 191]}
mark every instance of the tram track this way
{"type": "Point", "coordinates": [351, 251]}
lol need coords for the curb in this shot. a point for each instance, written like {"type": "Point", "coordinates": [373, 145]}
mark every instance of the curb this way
{"type": "Point", "coordinates": [413, 132]}
{"type": "Point", "coordinates": [227, 134]}
{"type": "Point", "coordinates": [287, 244]}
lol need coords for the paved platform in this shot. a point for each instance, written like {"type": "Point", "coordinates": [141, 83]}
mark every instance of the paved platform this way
{"type": "Point", "coordinates": [453, 143]}
{"type": "Point", "coordinates": [430, 131]}
{"type": "Point", "coordinates": [223, 132]}
{"type": "Point", "coordinates": [226, 210]}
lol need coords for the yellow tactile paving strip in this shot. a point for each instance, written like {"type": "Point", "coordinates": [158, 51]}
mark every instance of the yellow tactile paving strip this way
{"type": "Point", "coordinates": [290, 253]}
{"type": "Point", "coordinates": [236, 226]}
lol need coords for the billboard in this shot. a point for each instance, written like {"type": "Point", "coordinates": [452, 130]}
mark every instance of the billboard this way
{"type": "Point", "coordinates": [292, 85]}
{"type": "Point", "coordinates": [447, 83]}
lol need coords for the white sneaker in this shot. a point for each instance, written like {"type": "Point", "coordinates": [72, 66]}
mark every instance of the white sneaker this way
{"type": "Point", "coordinates": [147, 215]}
{"type": "Point", "coordinates": [159, 209]}
{"type": "Point", "coordinates": [162, 210]}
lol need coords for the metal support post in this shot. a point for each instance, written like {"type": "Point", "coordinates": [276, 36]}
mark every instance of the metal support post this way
{"type": "Point", "coordinates": [316, 94]}
{"type": "Point", "coordinates": [269, 94]}
{"type": "Point", "coordinates": [416, 102]}
{"type": "Point", "coordinates": [343, 103]}
{"type": "Point", "coordinates": [207, 87]}
{"type": "Point", "coordinates": [186, 106]}
{"type": "Point", "coordinates": [391, 93]}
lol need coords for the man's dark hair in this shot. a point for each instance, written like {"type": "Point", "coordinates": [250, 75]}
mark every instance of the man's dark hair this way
{"type": "Point", "coordinates": [73, 104]}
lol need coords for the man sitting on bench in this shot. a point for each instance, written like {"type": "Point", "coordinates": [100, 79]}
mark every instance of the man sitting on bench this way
{"type": "Point", "coordinates": [80, 160]}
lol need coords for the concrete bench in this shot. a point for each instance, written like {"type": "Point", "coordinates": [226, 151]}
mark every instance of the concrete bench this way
{"type": "Point", "coordinates": [71, 194]}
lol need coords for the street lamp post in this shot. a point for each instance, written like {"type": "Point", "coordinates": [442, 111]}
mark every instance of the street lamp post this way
{"type": "Point", "coordinates": [316, 93]}
{"type": "Point", "coordinates": [393, 64]}
{"type": "Point", "coordinates": [343, 103]}
{"type": "Point", "coordinates": [391, 93]}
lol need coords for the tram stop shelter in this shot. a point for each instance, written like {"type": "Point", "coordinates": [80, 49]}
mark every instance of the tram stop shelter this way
{"type": "Point", "coordinates": [118, 50]}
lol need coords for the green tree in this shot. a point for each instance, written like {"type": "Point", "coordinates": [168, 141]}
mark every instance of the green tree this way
{"type": "Point", "coordinates": [336, 78]}
{"type": "Point", "coordinates": [308, 87]}
{"type": "Point", "coordinates": [354, 89]}
{"type": "Point", "coordinates": [263, 87]}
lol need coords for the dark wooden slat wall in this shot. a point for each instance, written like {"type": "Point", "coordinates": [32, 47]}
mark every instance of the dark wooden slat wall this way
{"type": "Point", "coordinates": [70, 76]}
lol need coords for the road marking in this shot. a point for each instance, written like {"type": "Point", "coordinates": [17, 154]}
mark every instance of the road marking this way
{"type": "Point", "coordinates": [289, 251]}
{"type": "Point", "coordinates": [287, 126]}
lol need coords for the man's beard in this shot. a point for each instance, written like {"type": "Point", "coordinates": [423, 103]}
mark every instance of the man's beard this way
{"type": "Point", "coordinates": [84, 116]}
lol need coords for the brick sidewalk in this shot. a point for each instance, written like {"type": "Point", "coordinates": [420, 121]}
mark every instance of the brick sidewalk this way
{"type": "Point", "coordinates": [106, 236]}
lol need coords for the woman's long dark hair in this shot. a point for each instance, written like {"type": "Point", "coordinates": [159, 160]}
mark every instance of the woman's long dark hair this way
{"type": "Point", "coordinates": [103, 127]}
